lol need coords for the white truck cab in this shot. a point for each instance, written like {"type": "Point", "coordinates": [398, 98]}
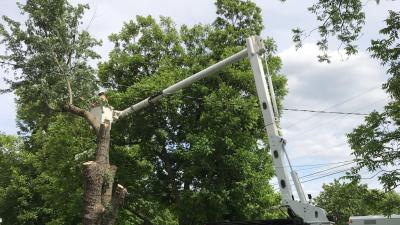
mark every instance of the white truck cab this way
{"type": "Point", "coordinates": [375, 220]}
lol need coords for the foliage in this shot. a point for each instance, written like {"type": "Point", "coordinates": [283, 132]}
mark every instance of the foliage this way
{"type": "Point", "coordinates": [199, 147]}
{"type": "Point", "coordinates": [235, 21]}
{"type": "Point", "coordinates": [342, 200]}
{"type": "Point", "coordinates": [8, 143]}
{"type": "Point", "coordinates": [45, 53]}
{"type": "Point", "coordinates": [376, 143]}
{"type": "Point", "coordinates": [45, 187]}
{"type": "Point", "coordinates": [388, 52]}
{"type": "Point", "coordinates": [343, 21]}
{"type": "Point", "coordinates": [340, 18]}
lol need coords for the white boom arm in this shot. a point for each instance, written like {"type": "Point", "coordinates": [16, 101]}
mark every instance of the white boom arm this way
{"type": "Point", "coordinates": [255, 49]}
{"type": "Point", "coordinates": [184, 83]}
{"type": "Point", "coordinates": [309, 213]}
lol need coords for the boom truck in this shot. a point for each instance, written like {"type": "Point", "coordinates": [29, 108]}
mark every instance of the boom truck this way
{"type": "Point", "coordinates": [300, 211]}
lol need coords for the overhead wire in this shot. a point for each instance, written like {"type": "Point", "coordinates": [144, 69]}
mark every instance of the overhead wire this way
{"type": "Point", "coordinates": [320, 164]}
{"type": "Point", "coordinates": [322, 176]}
{"type": "Point", "coordinates": [335, 105]}
{"type": "Point", "coordinates": [312, 168]}
{"type": "Point", "coordinates": [327, 175]}
{"type": "Point", "coordinates": [328, 112]}
{"type": "Point", "coordinates": [316, 124]}
{"type": "Point", "coordinates": [325, 170]}
{"type": "Point", "coordinates": [318, 172]}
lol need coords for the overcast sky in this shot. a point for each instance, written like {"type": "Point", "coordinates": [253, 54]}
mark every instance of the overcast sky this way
{"type": "Point", "coordinates": [347, 84]}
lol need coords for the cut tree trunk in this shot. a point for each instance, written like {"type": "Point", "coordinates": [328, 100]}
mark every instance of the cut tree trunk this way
{"type": "Point", "coordinates": [100, 206]}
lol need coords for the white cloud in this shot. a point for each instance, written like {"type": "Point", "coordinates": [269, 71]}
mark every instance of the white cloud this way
{"type": "Point", "coordinates": [317, 86]}
{"type": "Point", "coordinates": [321, 138]}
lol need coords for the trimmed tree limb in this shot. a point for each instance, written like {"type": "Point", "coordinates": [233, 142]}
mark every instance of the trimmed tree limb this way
{"type": "Point", "coordinates": [118, 200]}
{"type": "Point", "coordinates": [90, 118]}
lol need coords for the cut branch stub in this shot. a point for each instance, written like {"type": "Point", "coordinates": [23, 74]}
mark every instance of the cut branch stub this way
{"type": "Point", "coordinates": [118, 200]}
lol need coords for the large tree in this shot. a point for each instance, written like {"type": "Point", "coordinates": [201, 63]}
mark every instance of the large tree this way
{"type": "Point", "coordinates": [201, 143]}
{"type": "Point", "coordinates": [49, 56]}
{"type": "Point", "coordinates": [342, 200]}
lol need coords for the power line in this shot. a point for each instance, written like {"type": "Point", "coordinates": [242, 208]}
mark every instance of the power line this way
{"type": "Point", "coordinates": [337, 104]}
{"type": "Point", "coordinates": [311, 174]}
{"type": "Point", "coordinates": [323, 164]}
{"type": "Point", "coordinates": [320, 164]}
{"type": "Point", "coordinates": [322, 111]}
{"type": "Point", "coordinates": [317, 124]}
{"type": "Point", "coordinates": [371, 177]}
{"type": "Point", "coordinates": [321, 171]}
{"type": "Point", "coordinates": [315, 166]}
{"type": "Point", "coordinates": [327, 175]}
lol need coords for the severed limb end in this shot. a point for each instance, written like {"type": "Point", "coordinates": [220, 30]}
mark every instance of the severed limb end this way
{"type": "Point", "coordinates": [118, 200]}
{"type": "Point", "coordinates": [120, 194]}
{"type": "Point", "coordinates": [116, 115]}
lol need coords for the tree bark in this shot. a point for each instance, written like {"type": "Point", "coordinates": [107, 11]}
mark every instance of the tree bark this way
{"type": "Point", "coordinates": [100, 207]}
{"type": "Point", "coordinates": [92, 192]}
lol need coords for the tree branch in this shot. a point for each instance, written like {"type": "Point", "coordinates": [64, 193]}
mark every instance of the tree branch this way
{"type": "Point", "coordinates": [117, 201]}
{"type": "Point", "coordinates": [70, 93]}
{"type": "Point", "coordinates": [7, 63]}
{"type": "Point", "coordinates": [64, 73]}
{"type": "Point", "coordinates": [85, 114]}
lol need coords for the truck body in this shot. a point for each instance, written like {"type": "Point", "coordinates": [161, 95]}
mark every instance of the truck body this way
{"type": "Point", "coordinates": [375, 220]}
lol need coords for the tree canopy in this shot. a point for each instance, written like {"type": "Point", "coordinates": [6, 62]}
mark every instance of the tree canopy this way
{"type": "Point", "coordinates": [46, 51]}
{"type": "Point", "coordinates": [201, 144]}
{"type": "Point", "coordinates": [376, 143]}
{"type": "Point", "coordinates": [344, 199]}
